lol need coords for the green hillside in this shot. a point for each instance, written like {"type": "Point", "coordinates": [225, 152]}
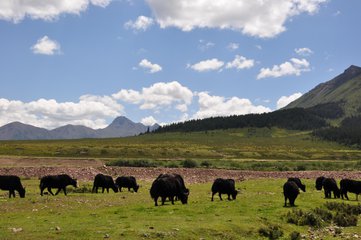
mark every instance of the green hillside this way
{"type": "Point", "coordinates": [344, 90]}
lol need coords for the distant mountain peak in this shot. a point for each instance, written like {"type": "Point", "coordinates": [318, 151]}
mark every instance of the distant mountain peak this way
{"type": "Point", "coordinates": [353, 68]}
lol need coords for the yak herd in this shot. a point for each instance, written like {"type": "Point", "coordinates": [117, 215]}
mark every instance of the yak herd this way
{"type": "Point", "coordinates": [172, 187]}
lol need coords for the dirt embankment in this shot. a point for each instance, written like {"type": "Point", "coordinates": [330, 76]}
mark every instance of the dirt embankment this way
{"type": "Point", "coordinates": [86, 169]}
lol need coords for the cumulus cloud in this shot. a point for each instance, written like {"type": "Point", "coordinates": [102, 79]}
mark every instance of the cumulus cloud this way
{"type": "Point", "coordinates": [240, 62]}
{"type": "Point", "coordinates": [141, 24]}
{"type": "Point", "coordinates": [211, 106]}
{"type": "Point", "coordinates": [255, 18]}
{"type": "Point", "coordinates": [304, 51]}
{"type": "Point", "coordinates": [46, 46]}
{"type": "Point", "coordinates": [293, 67]}
{"type": "Point", "coordinates": [90, 110]}
{"type": "Point", "coordinates": [207, 65]}
{"type": "Point", "coordinates": [152, 67]}
{"type": "Point", "coordinates": [148, 121]}
{"type": "Point", "coordinates": [158, 95]}
{"type": "Point", "coordinates": [285, 100]}
{"type": "Point", "coordinates": [16, 11]}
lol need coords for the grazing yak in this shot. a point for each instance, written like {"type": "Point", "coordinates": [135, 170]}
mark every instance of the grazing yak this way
{"type": "Point", "coordinates": [105, 182]}
{"type": "Point", "coordinates": [224, 186]}
{"type": "Point", "coordinates": [169, 186]}
{"type": "Point", "coordinates": [290, 191]}
{"type": "Point", "coordinates": [127, 182]}
{"type": "Point", "coordinates": [12, 183]}
{"type": "Point", "coordinates": [298, 182]}
{"type": "Point", "coordinates": [329, 185]}
{"type": "Point", "coordinates": [348, 185]}
{"type": "Point", "coordinates": [56, 181]}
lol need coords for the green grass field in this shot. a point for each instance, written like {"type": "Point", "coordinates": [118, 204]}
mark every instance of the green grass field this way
{"type": "Point", "coordinates": [249, 148]}
{"type": "Point", "coordinates": [249, 143]}
{"type": "Point", "coordinates": [133, 215]}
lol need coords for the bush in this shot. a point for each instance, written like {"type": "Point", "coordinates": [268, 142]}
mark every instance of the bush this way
{"type": "Point", "coordinates": [295, 236]}
{"type": "Point", "coordinates": [272, 232]}
{"type": "Point", "coordinates": [206, 164]}
{"type": "Point", "coordinates": [345, 220]}
{"type": "Point", "coordinates": [344, 208]}
{"type": "Point", "coordinates": [132, 163]}
{"type": "Point", "coordinates": [300, 168]}
{"type": "Point", "coordinates": [315, 218]}
{"type": "Point", "coordinates": [189, 163]}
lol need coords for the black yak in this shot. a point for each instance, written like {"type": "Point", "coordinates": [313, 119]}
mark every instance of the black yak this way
{"type": "Point", "coordinates": [348, 185]}
{"type": "Point", "coordinates": [56, 181]}
{"type": "Point", "coordinates": [329, 185]}
{"type": "Point", "coordinates": [169, 186]}
{"type": "Point", "coordinates": [12, 183]}
{"type": "Point", "coordinates": [290, 191]}
{"type": "Point", "coordinates": [224, 186]}
{"type": "Point", "coordinates": [127, 182]}
{"type": "Point", "coordinates": [299, 183]}
{"type": "Point", "coordinates": [105, 182]}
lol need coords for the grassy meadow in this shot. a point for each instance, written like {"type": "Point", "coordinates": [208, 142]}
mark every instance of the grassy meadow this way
{"type": "Point", "coordinates": [128, 215]}
{"type": "Point", "coordinates": [249, 148]}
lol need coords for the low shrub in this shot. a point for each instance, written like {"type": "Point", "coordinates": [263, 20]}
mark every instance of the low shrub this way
{"type": "Point", "coordinates": [345, 220]}
{"type": "Point", "coordinates": [133, 163]}
{"type": "Point", "coordinates": [273, 232]}
{"type": "Point", "coordinates": [206, 164]}
{"type": "Point", "coordinates": [189, 163]}
{"type": "Point", "coordinates": [295, 236]}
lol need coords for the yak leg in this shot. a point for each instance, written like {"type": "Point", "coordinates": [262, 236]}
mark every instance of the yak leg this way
{"type": "Point", "coordinates": [213, 195]}
{"type": "Point", "coordinates": [163, 200]}
{"type": "Point", "coordinates": [229, 197]}
{"type": "Point", "coordinates": [120, 189]}
{"type": "Point", "coordinates": [58, 191]}
{"type": "Point", "coordinates": [107, 190]}
{"type": "Point", "coordinates": [49, 190]}
{"type": "Point", "coordinates": [64, 189]}
{"type": "Point", "coordinates": [285, 202]}
{"type": "Point", "coordinates": [172, 200]}
{"type": "Point", "coordinates": [156, 201]}
{"type": "Point", "coordinates": [220, 197]}
{"type": "Point", "coordinates": [346, 195]}
{"type": "Point", "coordinates": [11, 193]}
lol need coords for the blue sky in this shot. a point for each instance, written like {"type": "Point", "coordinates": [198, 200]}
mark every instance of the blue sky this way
{"type": "Point", "coordinates": [88, 61]}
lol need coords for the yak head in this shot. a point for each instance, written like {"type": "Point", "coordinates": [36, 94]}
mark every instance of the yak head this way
{"type": "Point", "coordinates": [115, 188]}
{"type": "Point", "coordinates": [184, 196]}
{"type": "Point", "coordinates": [319, 182]}
{"type": "Point", "coordinates": [22, 192]}
{"type": "Point", "coordinates": [136, 188]}
{"type": "Point", "coordinates": [234, 194]}
{"type": "Point", "coordinates": [74, 183]}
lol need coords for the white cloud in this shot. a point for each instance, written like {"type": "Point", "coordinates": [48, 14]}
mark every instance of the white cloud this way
{"type": "Point", "coordinates": [158, 95]}
{"type": "Point", "coordinates": [148, 121]}
{"type": "Point", "coordinates": [207, 65]}
{"type": "Point", "coordinates": [285, 100]}
{"type": "Point", "coordinates": [293, 67]}
{"type": "Point", "coordinates": [46, 46]}
{"type": "Point", "coordinates": [153, 68]}
{"type": "Point", "coordinates": [142, 23]}
{"type": "Point", "coordinates": [17, 10]}
{"type": "Point", "coordinates": [255, 18]}
{"type": "Point", "coordinates": [304, 51]}
{"type": "Point", "coordinates": [182, 107]}
{"type": "Point", "coordinates": [211, 106]}
{"type": "Point", "coordinates": [205, 45]}
{"type": "Point", "coordinates": [240, 62]}
{"type": "Point", "coordinates": [90, 110]}
{"type": "Point", "coordinates": [233, 46]}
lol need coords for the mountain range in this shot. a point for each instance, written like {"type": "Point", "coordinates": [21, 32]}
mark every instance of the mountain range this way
{"type": "Point", "coordinates": [120, 127]}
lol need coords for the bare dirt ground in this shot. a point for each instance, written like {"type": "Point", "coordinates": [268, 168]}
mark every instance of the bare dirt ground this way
{"type": "Point", "coordinates": [86, 169]}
